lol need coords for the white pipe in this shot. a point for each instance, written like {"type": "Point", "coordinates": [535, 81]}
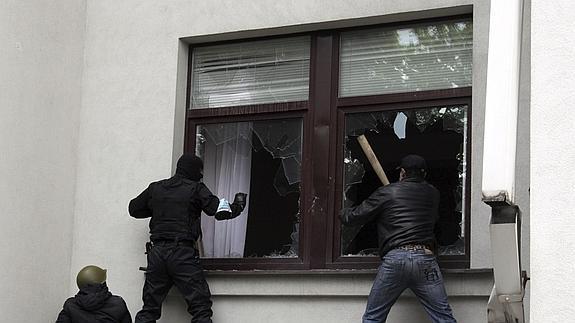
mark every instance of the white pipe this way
{"type": "Point", "coordinates": [502, 100]}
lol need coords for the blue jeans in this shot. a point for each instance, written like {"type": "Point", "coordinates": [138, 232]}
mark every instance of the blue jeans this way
{"type": "Point", "coordinates": [416, 270]}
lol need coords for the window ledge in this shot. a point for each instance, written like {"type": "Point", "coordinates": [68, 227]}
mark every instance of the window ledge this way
{"type": "Point", "coordinates": [333, 272]}
{"type": "Point", "coordinates": [333, 283]}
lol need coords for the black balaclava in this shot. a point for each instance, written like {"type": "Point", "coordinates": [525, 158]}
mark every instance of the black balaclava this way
{"type": "Point", "coordinates": [190, 167]}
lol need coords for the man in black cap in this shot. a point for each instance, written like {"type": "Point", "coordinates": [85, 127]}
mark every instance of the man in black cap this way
{"type": "Point", "coordinates": [405, 213]}
{"type": "Point", "coordinates": [175, 205]}
{"type": "Point", "coordinates": [94, 303]}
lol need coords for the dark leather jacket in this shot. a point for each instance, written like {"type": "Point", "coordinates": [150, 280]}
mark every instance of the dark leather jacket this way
{"type": "Point", "coordinates": [405, 213]}
{"type": "Point", "coordinates": [175, 205]}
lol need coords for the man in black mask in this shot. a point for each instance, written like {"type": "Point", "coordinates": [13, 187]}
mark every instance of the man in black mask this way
{"type": "Point", "coordinates": [174, 206]}
{"type": "Point", "coordinates": [94, 303]}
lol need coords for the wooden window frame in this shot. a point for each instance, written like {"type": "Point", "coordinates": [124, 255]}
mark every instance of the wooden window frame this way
{"type": "Point", "coordinates": [321, 187]}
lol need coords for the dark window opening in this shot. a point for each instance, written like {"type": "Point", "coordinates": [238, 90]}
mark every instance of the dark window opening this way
{"type": "Point", "coordinates": [262, 159]}
{"type": "Point", "coordinates": [274, 208]}
{"type": "Point", "coordinates": [437, 134]}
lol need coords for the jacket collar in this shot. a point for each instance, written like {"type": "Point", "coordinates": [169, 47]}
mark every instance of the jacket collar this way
{"type": "Point", "coordinates": [413, 180]}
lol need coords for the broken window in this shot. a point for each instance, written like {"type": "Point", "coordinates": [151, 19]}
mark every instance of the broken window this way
{"type": "Point", "coordinates": [249, 102]}
{"type": "Point", "coordinates": [439, 135]}
{"type": "Point", "coordinates": [262, 159]}
{"type": "Point", "coordinates": [248, 73]}
{"type": "Point", "coordinates": [416, 57]}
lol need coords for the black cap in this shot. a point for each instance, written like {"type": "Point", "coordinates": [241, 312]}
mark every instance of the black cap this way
{"type": "Point", "coordinates": [413, 162]}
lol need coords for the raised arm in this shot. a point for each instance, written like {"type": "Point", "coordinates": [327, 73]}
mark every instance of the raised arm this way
{"type": "Point", "coordinates": [208, 202]}
{"type": "Point", "coordinates": [367, 210]}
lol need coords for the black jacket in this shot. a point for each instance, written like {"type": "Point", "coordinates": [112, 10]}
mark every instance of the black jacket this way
{"type": "Point", "coordinates": [94, 304]}
{"type": "Point", "coordinates": [175, 205]}
{"type": "Point", "coordinates": [405, 213]}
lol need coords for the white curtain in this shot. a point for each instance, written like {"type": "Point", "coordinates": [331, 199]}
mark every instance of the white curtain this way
{"type": "Point", "coordinates": [227, 171]}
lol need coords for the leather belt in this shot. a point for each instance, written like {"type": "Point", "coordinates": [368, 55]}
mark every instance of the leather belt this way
{"type": "Point", "coordinates": [414, 247]}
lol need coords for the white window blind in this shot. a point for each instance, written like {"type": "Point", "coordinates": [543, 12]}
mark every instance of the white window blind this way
{"type": "Point", "coordinates": [256, 72]}
{"type": "Point", "coordinates": [426, 56]}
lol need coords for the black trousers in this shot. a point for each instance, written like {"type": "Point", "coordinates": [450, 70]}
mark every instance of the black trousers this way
{"type": "Point", "coordinates": [171, 264]}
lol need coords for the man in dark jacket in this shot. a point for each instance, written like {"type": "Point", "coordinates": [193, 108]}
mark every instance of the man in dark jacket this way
{"type": "Point", "coordinates": [405, 213]}
{"type": "Point", "coordinates": [94, 303]}
{"type": "Point", "coordinates": [174, 206]}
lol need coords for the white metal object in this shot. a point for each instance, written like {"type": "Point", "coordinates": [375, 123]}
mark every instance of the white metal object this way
{"type": "Point", "coordinates": [502, 99]}
{"type": "Point", "coordinates": [500, 142]}
{"type": "Point", "coordinates": [506, 300]}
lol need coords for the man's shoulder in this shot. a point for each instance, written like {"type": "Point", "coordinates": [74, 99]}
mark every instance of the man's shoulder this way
{"type": "Point", "coordinates": [175, 180]}
{"type": "Point", "coordinates": [430, 187]}
{"type": "Point", "coordinates": [116, 299]}
{"type": "Point", "coordinates": [407, 185]}
{"type": "Point", "coordinates": [163, 180]}
{"type": "Point", "coordinates": [70, 302]}
{"type": "Point", "coordinates": [390, 187]}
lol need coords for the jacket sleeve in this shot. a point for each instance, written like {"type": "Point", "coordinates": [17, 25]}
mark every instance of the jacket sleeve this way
{"type": "Point", "coordinates": [127, 316]}
{"type": "Point", "coordinates": [63, 316]}
{"type": "Point", "coordinates": [208, 202]}
{"type": "Point", "coordinates": [436, 199]}
{"type": "Point", "coordinates": [138, 207]}
{"type": "Point", "coordinates": [365, 211]}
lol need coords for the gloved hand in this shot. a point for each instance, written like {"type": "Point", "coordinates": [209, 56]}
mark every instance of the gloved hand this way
{"type": "Point", "coordinates": [232, 210]}
{"type": "Point", "coordinates": [240, 200]}
{"type": "Point", "coordinates": [224, 211]}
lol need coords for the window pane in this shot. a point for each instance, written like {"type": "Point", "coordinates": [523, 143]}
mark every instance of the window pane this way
{"type": "Point", "coordinates": [263, 159]}
{"type": "Point", "coordinates": [439, 135]}
{"type": "Point", "coordinates": [417, 57]}
{"type": "Point", "coordinates": [268, 71]}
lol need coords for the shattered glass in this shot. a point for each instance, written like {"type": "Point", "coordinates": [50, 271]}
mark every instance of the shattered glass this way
{"type": "Point", "coordinates": [221, 133]}
{"type": "Point", "coordinates": [252, 72]}
{"type": "Point", "coordinates": [354, 170]}
{"type": "Point", "coordinates": [439, 134]}
{"type": "Point", "coordinates": [418, 57]}
{"type": "Point", "coordinates": [275, 150]}
{"type": "Point", "coordinates": [358, 124]}
{"type": "Point", "coordinates": [281, 138]}
{"type": "Point", "coordinates": [282, 182]}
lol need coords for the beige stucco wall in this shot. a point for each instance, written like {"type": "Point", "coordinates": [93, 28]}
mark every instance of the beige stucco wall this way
{"type": "Point", "coordinates": [552, 156]}
{"type": "Point", "coordinates": [96, 90]}
{"type": "Point", "coordinates": [41, 60]}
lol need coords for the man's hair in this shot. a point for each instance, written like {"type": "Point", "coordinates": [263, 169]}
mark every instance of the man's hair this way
{"type": "Point", "coordinates": [414, 173]}
{"type": "Point", "coordinates": [414, 166]}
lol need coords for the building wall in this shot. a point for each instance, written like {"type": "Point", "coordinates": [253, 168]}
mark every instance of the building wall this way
{"type": "Point", "coordinates": [322, 297]}
{"type": "Point", "coordinates": [552, 155]}
{"type": "Point", "coordinates": [40, 99]}
{"type": "Point", "coordinates": [115, 88]}
{"type": "Point", "coordinates": [523, 155]}
{"type": "Point", "coordinates": [132, 129]}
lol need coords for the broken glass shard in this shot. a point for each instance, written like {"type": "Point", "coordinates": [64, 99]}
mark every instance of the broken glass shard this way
{"type": "Point", "coordinates": [282, 182]}
{"type": "Point", "coordinates": [358, 124]}
{"type": "Point", "coordinates": [281, 138]}
{"type": "Point", "coordinates": [353, 170]}
{"type": "Point", "coordinates": [399, 125]}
